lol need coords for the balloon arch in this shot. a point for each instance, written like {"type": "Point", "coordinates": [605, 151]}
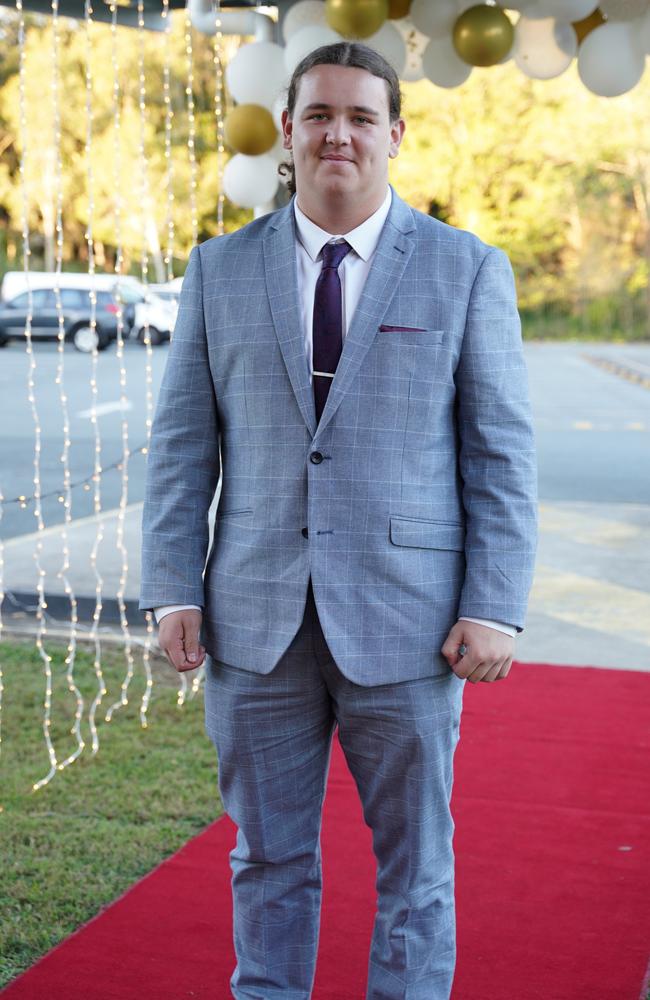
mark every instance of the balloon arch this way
{"type": "Point", "coordinates": [441, 40]}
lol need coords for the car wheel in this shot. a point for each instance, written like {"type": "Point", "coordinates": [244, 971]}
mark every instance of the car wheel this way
{"type": "Point", "coordinates": [155, 336]}
{"type": "Point", "coordinates": [3, 340]}
{"type": "Point", "coordinates": [85, 339]}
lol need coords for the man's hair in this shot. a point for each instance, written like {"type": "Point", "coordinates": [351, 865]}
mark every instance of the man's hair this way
{"type": "Point", "coordinates": [352, 54]}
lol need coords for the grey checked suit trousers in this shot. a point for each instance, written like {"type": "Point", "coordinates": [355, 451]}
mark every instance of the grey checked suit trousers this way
{"type": "Point", "coordinates": [273, 733]}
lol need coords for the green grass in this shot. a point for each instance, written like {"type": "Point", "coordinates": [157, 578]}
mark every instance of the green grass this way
{"type": "Point", "coordinates": [621, 318]}
{"type": "Point", "coordinates": [105, 820]}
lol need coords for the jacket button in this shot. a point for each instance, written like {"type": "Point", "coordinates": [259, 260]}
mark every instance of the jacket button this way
{"type": "Point", "coordinates": [316, 457]}
{"type": "Point", "coordinates": [305, 532]}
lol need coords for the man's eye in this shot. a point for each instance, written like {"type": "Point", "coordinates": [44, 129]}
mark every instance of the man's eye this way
{"type": "Point", "coordinates": [360, 118]}
{"type": "Point", "coordinates": [319, 114]}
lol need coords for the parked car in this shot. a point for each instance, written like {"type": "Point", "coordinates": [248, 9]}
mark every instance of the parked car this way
{"type": "Point", "coordinates": [140, 307]}
{"type": "Point", "coordinates": [152, 310]}
{"type": "Point", "coordinates": [170, 292]}
{"type": "Point", "coordinates": [77, 316]}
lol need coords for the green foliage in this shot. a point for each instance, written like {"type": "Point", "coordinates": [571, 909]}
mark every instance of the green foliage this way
{"type": "Point", "coordinates": [129, 192]}
{"type": "Point", "coordinates": [557, 177]}
{"type": "Point", "coordinates": [104, 821]}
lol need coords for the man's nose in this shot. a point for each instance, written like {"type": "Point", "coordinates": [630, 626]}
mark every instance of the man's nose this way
{"type": "Point", "coordinates": [338, 132]}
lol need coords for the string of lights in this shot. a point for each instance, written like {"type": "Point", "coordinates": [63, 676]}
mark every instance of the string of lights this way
{"type": "Point", "coordinates": [24, 210]}
{"type": "Point", "coordinates": [63, 399]}
{"type": "Point", "coordinates": [146, 208]}
{"type": "Point", "coordinates": [94, 476]}
{"type": "Point", "coordinates": [42, 628]}
{"type": "Point", "coordinates": [218, 110]}
{"type": "Point", "coordinates": [169, 163]}
{"type": "Point", "coordinates": [191, 125]}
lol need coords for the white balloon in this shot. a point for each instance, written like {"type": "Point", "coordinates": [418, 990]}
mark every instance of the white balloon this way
{"type": "Point", "coordinates": [623, 10]}
{"type": "Point", "coordinates": [415, 43]}
{"type": "Point", "coordinates": [434, 19]}
{"type": "Point", "coordinates": [389, 42]}
{"type": "Point", "coordinates": [257, 73]}
{"type": "Point", "coordinates": [305, 41]}
{"type": "Point", "coordinates": [544, 49]}
{"type": "Point", "coordinates": [250, 180]}
{"type": "Point", "coordinates": [609, 61]}
{"type": "Point", "coordinates": [279, 105]}
{"type": "Point", "coordinates": [442, 65]}
{"type": "Point", "coordinates": [303, 14]}
{"type": "Point", "coordinates": [278, 152]}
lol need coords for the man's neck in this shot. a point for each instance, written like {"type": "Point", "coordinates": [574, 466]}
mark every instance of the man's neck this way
{"type": "Point", "coordinates": [338, 217]}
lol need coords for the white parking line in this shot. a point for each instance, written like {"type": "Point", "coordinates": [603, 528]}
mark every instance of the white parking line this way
{"type": "Point", "coordinates": [103, 408]}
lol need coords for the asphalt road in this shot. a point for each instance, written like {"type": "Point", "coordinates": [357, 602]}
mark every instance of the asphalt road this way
{"type": "Point", "coordinates": [17, 428]}
{"type": "Point", "coordinates": [592, 425]}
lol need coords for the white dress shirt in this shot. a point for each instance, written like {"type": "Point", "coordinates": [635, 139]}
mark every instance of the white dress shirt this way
{"type": "Point", "coordinates": [353, 271]}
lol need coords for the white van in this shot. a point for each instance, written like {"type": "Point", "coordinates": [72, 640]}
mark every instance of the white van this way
{"type": "Point", "coordinates": [142, 308]}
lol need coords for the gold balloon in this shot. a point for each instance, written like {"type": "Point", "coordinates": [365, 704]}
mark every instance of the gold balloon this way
{"type": "Point", "coordinates": [483, 35]}
{"type": "Point", "coordinates": [250, 129]}
{"type": "Point", "coordinates": [398, 8]}
{"type": "Point", "coordinates": [587, 24]}
{"type": "Point", "coordinates": [356, 18]}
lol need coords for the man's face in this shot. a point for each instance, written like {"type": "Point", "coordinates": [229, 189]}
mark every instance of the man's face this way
{"type": "Point", "coordinates": [340, 133]}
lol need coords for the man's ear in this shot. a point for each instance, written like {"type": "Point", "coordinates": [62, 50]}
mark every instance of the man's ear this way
{"type": "Point", "coordinates": [396, 135]}
{"type": "Point", "coordinates": [287, 129]}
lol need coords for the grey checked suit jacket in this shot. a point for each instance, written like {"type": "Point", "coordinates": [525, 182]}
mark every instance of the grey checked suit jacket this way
{"type": "Point", "coordinates": [414, 499]}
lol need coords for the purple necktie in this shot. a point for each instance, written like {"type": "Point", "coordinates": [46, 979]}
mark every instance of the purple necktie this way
{"type": "Point", "coordinates": [328, 322]}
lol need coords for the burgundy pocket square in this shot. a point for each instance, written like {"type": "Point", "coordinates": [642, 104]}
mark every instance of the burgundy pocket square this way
{"type": "Point", "coordinates": [406, 329]}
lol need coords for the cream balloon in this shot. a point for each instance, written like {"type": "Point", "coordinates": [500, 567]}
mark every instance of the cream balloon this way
{"type": "Point", "coordinates": [623, 10]}
{"type": "Point", "coordinates": [305, 41]}
{"type": "Point", "coordinates": [304, 14]}
{"type": "Point", "coordinates": [415, 43]}
{"type": "Point", "coordinates": [442, 65]}
{"type": "Point", "coordinates": [389, 42]}
{"type": "Point", "coordinates": [251, 180]}
{"type": "Point", "coordinates": [609, 61]}
{"type": "Point", "coordinates": [544, 49]}
{"type": "Point", "coordinates": [257, 73]}
{"type": "Point", "coordinates": [435, 20]}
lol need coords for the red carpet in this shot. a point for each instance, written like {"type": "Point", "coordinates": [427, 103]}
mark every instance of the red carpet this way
{"type": "Point", "coordinates": [552, 803]}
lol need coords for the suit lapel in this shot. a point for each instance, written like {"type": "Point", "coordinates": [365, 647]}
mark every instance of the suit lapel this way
{"type": "Point", "coordinates": [281, 274]}
{"type": "Point", "coordinates": [393, 252]}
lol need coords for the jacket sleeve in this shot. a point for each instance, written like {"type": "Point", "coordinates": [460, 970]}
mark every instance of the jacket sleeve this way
{"type": "Point", "coordinates": [183, 465]}
{"type": "Point", "coordinates": [497, 458]}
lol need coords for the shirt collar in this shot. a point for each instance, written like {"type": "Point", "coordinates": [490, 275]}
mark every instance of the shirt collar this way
{"type": "Point", "coordinates": [363, 239]}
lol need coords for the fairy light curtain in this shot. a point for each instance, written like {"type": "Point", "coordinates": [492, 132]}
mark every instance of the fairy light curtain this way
{"type": "Point", "coordinates": [136, 645]}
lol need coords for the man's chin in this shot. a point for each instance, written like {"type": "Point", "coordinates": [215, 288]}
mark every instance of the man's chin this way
{"type": "Point", "coordinates": [337, 185]}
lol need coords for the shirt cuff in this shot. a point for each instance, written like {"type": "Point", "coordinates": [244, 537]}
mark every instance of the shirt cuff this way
{"type": "Point", "coordinates": [499, 626]}
{"type": "Point", "coordinates": [168, 608]}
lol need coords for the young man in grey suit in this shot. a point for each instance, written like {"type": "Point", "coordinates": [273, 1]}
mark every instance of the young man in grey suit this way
{"type": "Point", "coordinates": [352, 370]}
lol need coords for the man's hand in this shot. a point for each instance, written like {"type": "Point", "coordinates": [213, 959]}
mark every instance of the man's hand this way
{"type": "Point", "coordinates": [178, 636]}
{"type": "Point", "coordinates": [488, 656]}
